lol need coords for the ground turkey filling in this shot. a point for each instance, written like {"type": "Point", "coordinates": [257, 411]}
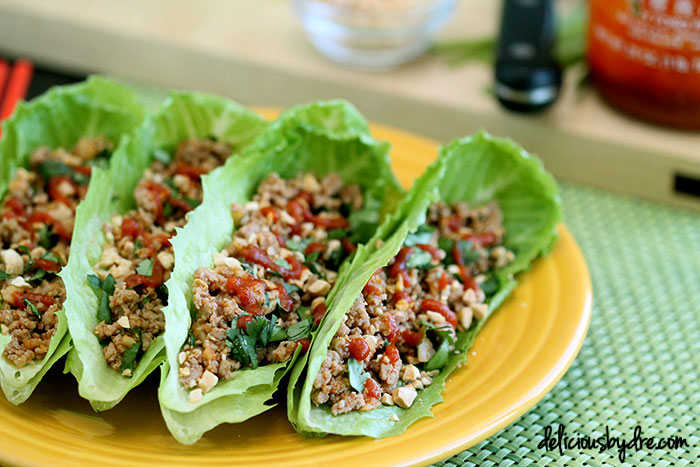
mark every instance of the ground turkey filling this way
{"type": "Point", "coordinates": [36, 224]}
{"type": "Point", "coordinates": [138, 257]}
{"type": "Point", "coordinates": [401, 330]}
{"type": "Point", "coordinates": [267, 290]}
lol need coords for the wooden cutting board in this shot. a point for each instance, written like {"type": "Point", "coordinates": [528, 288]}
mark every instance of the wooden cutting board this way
{"type": "Point", "coordinates": [256, 52]}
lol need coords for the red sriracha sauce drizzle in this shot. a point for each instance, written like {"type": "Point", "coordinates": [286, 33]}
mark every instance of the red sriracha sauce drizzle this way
{"type": "Point", "coordinates": [430, 304]}
{"type": "Point", "coordinates": [156, 279]}
{"type": "Point", "coordinates": [358, 348]}
{"type": "Point", "coordinates": [254, 254]}
{"type": "Point", "coordinates": [467, 280]}
{"type": "Point", "coordinates": [371, 390]}
{"type": "Point", "coordinates": [247, 290]}
{"type": "Point", "coordinates": [399, 267]}
{"type": "Point", "coordinates": [34, 298]}
{"type": "Point", "coordinates": [300, 209]}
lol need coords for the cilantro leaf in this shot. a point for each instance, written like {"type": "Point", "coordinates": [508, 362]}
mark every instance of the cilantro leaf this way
{"type": "Point", "coordinates": [335, 258]}
{"type": "Point", "coordinates": [168, 209]}
{"type": "Point", "coordinates": [357, 375]}
{"type": "Point", "coordinates": [242, 347]}
{"type": "Point", "coordinates": [265, 330]}
{"type": "Point", "coordinates": [38, 275]}
{"type": "Point", "coordinates": [419, 259]}
{"type": "Point", "coordinates": [337, 233]}
{"type": "Point", "coordinates": [129, 357]}
{"type": "Point", "coordinates": [310, 262]}
{"type": "Point", "coordinates": [145, 267]}
{"type": "Point", "coordinates": [466, 249]}
{"type": "Point", "coordinates": [162, 156]}
{"type": "Point", "coordinates": [32, 308]}
{"type": "Point", "coordinates": [490, 285]}
{"type": "Point", "coordinates": [247, 267]}
{"type": "Point", "coordinates": [51, 257]}
{"type": "Point", "coordinates": [281, 262]}
{"type": "Point", "coordinates": [299, 330]}
{"type": "Point", "coordinates": [298, 245]}
{"type": "Point", "coordinates": [47, 238]}
{"type": "Point", "coordinates": [422, 235]}
{"type": "Point", "coordinates": [290, 288]}
{"type": "Point", "coordinates": [103, 290]}
{"type": "Point", "coordinates": [4, 275]}
{"type": "Point", "coordinates": [440, 358]}
{"type": "Point", "coordinates": [53, 168]}
{"type": "Point", "coordinates": [304, 312]}
{"type": "Point", "coordinates": [138, 245]}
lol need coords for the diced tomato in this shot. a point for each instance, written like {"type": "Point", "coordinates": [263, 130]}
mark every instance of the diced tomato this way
{"type": "Point", "coordinates": [45, 218]}
{"type": "Point", "coordinates": [399, 267]}
{"type": "Point", "coordinates": [156, 279]}
{"type": "Point", "coordinates": [401, 295]}
{"type": "Point", "coordinates": [308, 197]}
{"type": "Point", "coordinates": [190, 170]}
{"type": "Point", "coordinates": [35, 298]}
{"type": "Point", "coordinates": [330, 221]}
{"type": "Point", "coordinates": [285, 300]}
{"type": "Point", "coordinates": [411, 337]}
{"type": "Point", "coordinates": [16, 208]}
{"type": "Point", "coordinates": [348, 246]}
{"type": "Point", "coordinates": [373, 285]}
{"type": "Point", "coordinates": [371, 390]}
{"type": "Point", "coordinates": [454, 222]}
{"type": "Point", "coordinates": [314, 247]}
{"type": "Point", "coordinates": [467, 280]}
{"type": "Point", "coordinates": [434, 252]}
{"type": "Point", "coordinates": [391, 331]}
{"type": "Point", "coordinates": [482, 238]}
{"type": "Point", "coordinates": [359, 349]}
{"type": "Point", "coordinates": [280, 237]}
{"type": "Point", "coordinates": [318, 313]}
{"type": "Point", "coordinates": [243, 321]}
{"type": "Point", "coordinates": [82, 169]}
{"type": "Point", "coordinates": [131, 228]}
{"type": "Point", "coordinates": [305, 344]}
{"type": "Point", "coordinates": [55, 191]}
{"type": "Point", "coordinates": [392, 353]}
{"type": "Point", "coordinates": [249, 292]}
{"type": "Point", "coordinates": [268, 211]}
{"type": "Point", "coordinates": [47, 265]}
{"type": "Point", "coordinates": [430, 304]}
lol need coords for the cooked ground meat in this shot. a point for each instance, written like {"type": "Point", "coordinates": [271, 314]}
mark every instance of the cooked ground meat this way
{"type": "Point", "coordinates": [402, 327]}
{"type": "Point", "coordinates": [138, 255]}
{"type": "Point", "coordinates": [267, 288]}
{"type": "Point", "coordinates": [36, 225]}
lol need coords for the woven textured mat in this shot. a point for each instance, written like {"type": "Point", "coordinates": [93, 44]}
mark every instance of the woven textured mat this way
{"type": "Point", "coordinates": [640, 363]}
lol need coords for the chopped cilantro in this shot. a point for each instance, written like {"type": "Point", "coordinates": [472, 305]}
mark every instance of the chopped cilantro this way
{"type": "Point", "coordinates": [439, 359]}
{"type": "Point", "coordinates": [190, 338]}
{"type": "Point", "coordinates": [138, 245]}
{"type": "Point", "coordinates": [242, 346]}
{"type": "Point", "coordinates": [191, 201]}
{"type": "Point", "coordinates": [129, 357]}
{"type": "Point", "coordinates": [304, 312]}
{"type": "Point", "coordinates": [162, 156]}
{"type": "Point", "coordinates": [281, 262]}
{"type": "Point", "coordinates": [310, 262]}
{"type": "Point", "coordinates": [145, 267]}
{"type": "Point", "coordinates": [168, 209]}
{"type": "Point", "coordinates": [290, 288]}
{"type": "Point", "coordinates": [53, 168]}
{"type": "Point", "coordinates": [337, 233]}
{"type": "Point", "coordinates": [274, 273]}
{"type": "Point", "coordinates": [47, 238]}
{"type": "Point", "coordinates": [144, 301]}
{"type": "Point", "coordinates": [247, 267]}
{"type": "Point", "coordinates": [267, 300]}
{"type": "Point", "coordinates": [38, 275]}
{"type": "Point", "coordinates": [33, 308]}
{"type": "Point", "coordinates": [357, 375]}
{"type": "Point", "coordinates": [25, 249]}
{"type": "Point", "coordinates": [51, 257]}
{"type": "Point", "coordinates": [490, 285]}
{"type": "Point", "coordinates": [264, 330]}
{"type": "Point", "coordinates": [419, 259]}
{"type": "Point", "coordinates": [298, 245]}
{"type": "Point", "coordinates": [4, 275]}
{"type": "Point", "coordinates": [299, 330]}
{"type": "Point", "coordinates": [103, 290]}
{"type": "Point", "coordinates": [422, 235]}
{"type": "Point", "coordinates": [336, 258]}
{"type": "Point", "coordinates": [466, 249]}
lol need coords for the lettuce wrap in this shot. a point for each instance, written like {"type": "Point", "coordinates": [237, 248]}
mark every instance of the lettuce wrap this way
{"type": "Point", "coordinates": [58, 119]}
{"type": "Point", "coordinates": [476, 170]}
{"type": "Point", "coordinates": [183, 115]}
{"type": "Point", "coordinates": [321, 138]}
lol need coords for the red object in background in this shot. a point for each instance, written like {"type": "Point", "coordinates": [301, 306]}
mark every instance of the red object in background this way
{"type": "Point", "coordinates": [644, 57]}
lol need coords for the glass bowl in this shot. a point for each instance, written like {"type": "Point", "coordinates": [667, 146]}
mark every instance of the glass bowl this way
{"type": "Point", "coordinates": [373, 34]}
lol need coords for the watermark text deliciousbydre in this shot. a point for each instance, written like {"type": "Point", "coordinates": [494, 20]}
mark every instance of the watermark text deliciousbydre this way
{"type": "Point", "coordinates": [562, 441]}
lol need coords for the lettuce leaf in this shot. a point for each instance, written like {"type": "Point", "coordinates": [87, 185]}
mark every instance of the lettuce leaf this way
{"type": "Point", "coordinates": [59, 118]}
{"type": "Point", "coordinates": [475, 169]}
{"type": "Point", "coordinates": [322, 137]}
{"type": "Point", "coordinates": [183, 115]}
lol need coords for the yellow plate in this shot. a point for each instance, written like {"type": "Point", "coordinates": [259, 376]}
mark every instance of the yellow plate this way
{"type": "Point", "coordinates": [520, 354]}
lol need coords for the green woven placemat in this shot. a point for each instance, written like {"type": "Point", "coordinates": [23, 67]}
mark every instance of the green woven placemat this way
{"type": "Point", "coordinates": [640, 363]}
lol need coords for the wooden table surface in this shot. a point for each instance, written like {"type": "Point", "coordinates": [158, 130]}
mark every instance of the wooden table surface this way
{"type": "Point", "coordinates": [256, 53]}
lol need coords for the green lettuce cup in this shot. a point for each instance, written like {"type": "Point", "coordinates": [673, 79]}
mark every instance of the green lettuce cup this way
{"type": "Point", "coordinates": [320, 138]}
{"type": "Point", "coordinates": [476, 170]}
{"type": "Point", "coordinates": [59, 119]}
{"type": "Point", "coordinates": [183, 117]}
